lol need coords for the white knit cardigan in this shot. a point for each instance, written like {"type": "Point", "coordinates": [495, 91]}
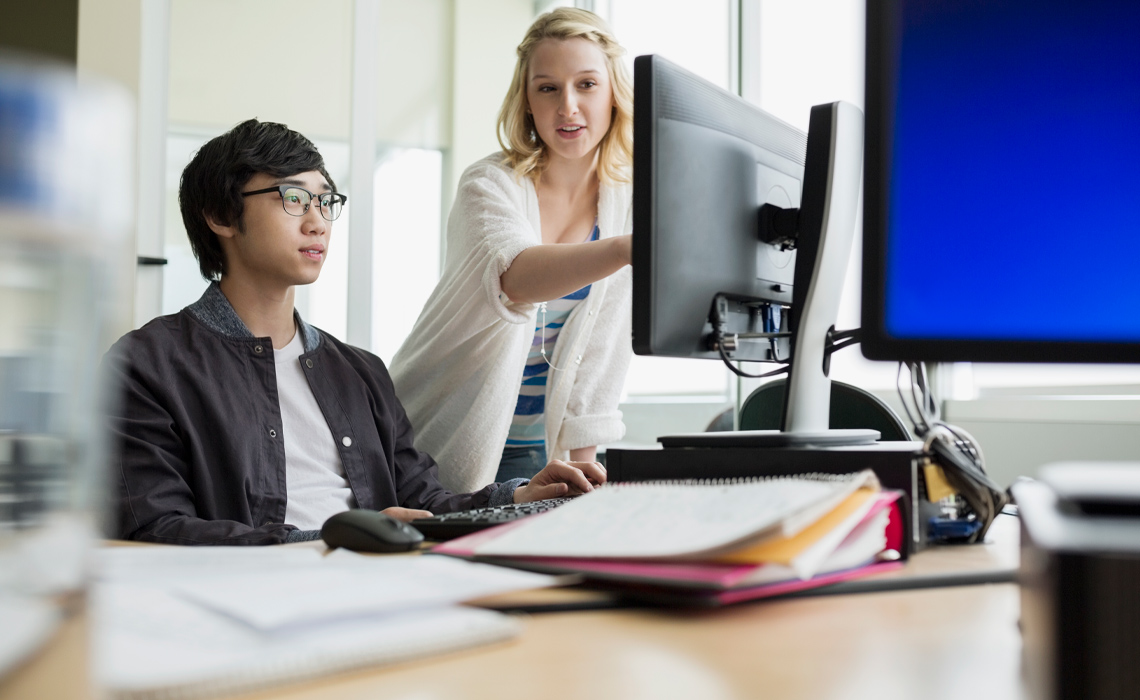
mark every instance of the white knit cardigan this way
{"type": "Point", "coordinates": [458, 373]}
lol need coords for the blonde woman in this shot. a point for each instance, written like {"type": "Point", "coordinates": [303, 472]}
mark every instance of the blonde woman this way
{"type": "Point", "coordinates": [520, 353]}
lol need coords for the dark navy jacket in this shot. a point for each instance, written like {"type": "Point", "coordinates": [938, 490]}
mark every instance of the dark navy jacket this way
{"type": "Point", "coordinates": [200, 451]}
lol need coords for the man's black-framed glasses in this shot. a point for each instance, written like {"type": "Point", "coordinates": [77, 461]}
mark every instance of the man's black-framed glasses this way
{"type": "Point", "coordinates": [296, 200]}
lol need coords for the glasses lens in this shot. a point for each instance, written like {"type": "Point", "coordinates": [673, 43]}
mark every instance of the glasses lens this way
{"type": "Point", "coordinates": [296, 201]}
{"type": "Point", "coordinates": [331, 205]}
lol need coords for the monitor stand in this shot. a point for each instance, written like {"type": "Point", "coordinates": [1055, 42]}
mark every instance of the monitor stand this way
{"type": "Point", "coordinates": [826, 229]}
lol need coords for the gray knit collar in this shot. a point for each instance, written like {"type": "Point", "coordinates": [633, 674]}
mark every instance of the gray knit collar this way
{"type": "Point", "coordinates": [215, 311]}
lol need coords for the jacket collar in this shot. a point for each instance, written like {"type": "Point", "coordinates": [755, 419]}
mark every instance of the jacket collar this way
{"type": "Point", "coordinates": [215, 312]}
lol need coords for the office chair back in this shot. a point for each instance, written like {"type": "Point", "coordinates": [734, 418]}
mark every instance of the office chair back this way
{"type": "Point", "coordinates": [851, 407]}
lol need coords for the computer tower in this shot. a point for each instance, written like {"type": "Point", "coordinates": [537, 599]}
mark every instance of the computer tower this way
{"type": "Point", "coordinates": [1080, 597]}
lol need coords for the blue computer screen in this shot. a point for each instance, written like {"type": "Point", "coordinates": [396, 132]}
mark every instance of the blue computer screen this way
{"type": "Point", "coordinates": [1014, 195]}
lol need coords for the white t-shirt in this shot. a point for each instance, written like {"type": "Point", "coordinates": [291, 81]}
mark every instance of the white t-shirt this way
{"type": "Point", "coordinates": [314, 477]}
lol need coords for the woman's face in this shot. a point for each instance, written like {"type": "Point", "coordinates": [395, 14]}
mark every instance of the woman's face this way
{"type": "Point", "coordinates": [569, 96]}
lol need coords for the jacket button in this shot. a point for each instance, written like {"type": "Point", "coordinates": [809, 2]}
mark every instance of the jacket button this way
{"type": "Point", "coordinates": [272, 433]}
{"type": "Point", "coordinates": [309, 364]}
{"type": "Point", "coordinates": [346, 441]}
{"type": "Point", "coordinates": [578, 360]}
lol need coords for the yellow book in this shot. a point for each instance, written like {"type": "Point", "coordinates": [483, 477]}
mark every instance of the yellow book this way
{"type": "Point", "coordinates": [784, 550]}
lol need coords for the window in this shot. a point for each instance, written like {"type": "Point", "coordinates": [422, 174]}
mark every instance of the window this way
{"type": "Point", "coordinates": [811, 52]}
{"type": "Point", "coordinates": [697, 37]}
{"type": "Point", "coordinates": [406, 248]}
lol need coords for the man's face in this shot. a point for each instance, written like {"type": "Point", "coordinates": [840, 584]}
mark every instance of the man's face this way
{"type": "Point", "coordinates": [277, 249]}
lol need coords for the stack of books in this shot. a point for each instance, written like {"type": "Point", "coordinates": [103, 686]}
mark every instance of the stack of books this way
{"type": "Point", "coordinates": [708, 543]}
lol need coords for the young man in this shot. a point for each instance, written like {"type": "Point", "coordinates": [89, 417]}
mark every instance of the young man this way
{"type": "Point", "coordinates": [241, 424]}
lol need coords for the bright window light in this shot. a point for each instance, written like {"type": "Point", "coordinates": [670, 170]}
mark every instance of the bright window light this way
{"type": "Point", "coordinates": [695, 36]}
{"type": "Point", "coordinates": [406, 244]}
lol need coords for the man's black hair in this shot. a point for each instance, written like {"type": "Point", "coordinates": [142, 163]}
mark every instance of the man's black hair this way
{"type": "Point", "coordinates": [213, 181]}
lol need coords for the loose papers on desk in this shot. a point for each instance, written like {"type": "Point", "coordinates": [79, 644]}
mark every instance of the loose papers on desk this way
{"type": "Point", "coordinates": [707, 543]}
{"type": "Point", "coordinates": [177, 622]}
{"type": "Point", "coordinates": [347, 588]}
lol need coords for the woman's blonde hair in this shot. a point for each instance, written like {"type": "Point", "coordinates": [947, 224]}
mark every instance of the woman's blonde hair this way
{"type": "Point", "coordinates": [523, 149]}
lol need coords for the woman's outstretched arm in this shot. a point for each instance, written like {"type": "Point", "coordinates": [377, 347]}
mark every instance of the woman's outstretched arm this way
{"type": "Point", "coordinates": [546, 272]}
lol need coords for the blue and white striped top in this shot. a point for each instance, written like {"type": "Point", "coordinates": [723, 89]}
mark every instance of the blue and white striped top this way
{"type": "Point", "coordinates": [527, 426]}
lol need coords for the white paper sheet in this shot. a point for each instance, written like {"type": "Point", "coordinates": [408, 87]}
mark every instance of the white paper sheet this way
{"type": "Point", "coordinates": [150, 642]}
{"type": "Point", "coordinates": [344, 587]}
{"type": "Point", "coordinates": [161, 563]}
{"type": "Point", "coordinates": [179, 622]}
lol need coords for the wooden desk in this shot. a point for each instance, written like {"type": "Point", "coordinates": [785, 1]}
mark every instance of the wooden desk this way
{"type": "Point", "coordinates": [953, 643]}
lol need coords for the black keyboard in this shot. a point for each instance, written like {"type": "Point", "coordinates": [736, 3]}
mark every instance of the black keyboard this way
{"type": "Point", "coordinates": [447, 526]}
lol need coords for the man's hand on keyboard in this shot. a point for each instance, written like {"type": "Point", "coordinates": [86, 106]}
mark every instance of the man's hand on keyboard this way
{"type": "Point", "coordinates": [562, 479]}
{"type": "Point", "coordinates": [406, 515]}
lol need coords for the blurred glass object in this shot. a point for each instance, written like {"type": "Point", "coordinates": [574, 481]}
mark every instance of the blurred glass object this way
{"type": "Point", "coordinates": [66, 207]}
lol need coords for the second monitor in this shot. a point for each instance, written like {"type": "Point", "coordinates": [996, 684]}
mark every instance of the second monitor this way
{"type": "Point", "coordinates": [704, 163]}
{"type": "Point", "coordinates": [742, 233]}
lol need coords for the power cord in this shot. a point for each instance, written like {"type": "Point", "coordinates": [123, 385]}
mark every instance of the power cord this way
{"type": "Point", "coordinates": [952, 448]}
{"type": "Point", "coordinates": [542, 339]}
{"type": "Point", "coordinates": [741, 373]}
{"type": "Point", "coordinates": [836, 341]}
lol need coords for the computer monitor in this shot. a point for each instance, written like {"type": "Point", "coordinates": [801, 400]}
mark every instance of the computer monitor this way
{"type": "Point", "coordinates": [1002, 190]}
{"type": "Point", "coordinates": [704, 163]}
{"type": "Point", "coordinates": [742, 228]}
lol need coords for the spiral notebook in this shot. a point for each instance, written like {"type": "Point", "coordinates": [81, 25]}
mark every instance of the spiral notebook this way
{"type": "Point", "coordinates": [708, 543]}
{"type": "Point", "coordinates": [699, 519]}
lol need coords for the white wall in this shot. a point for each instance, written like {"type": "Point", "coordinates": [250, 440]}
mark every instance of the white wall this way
{"type": "Point", "coordinates": [110, 46]}
{"type": "Point", "coordinates": [1018, 434]}
{"type": "Point", "coordinates": [287, 61]}
{"type": "Point", "coordinates": [483, 55]}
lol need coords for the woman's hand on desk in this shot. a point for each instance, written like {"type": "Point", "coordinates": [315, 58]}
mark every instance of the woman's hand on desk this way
{"type": "Point", "coordinates": [562, 479]}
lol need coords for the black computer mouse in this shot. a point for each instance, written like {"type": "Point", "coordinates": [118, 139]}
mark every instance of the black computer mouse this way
{"type": "Point", "coordinates": [364, 530]}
